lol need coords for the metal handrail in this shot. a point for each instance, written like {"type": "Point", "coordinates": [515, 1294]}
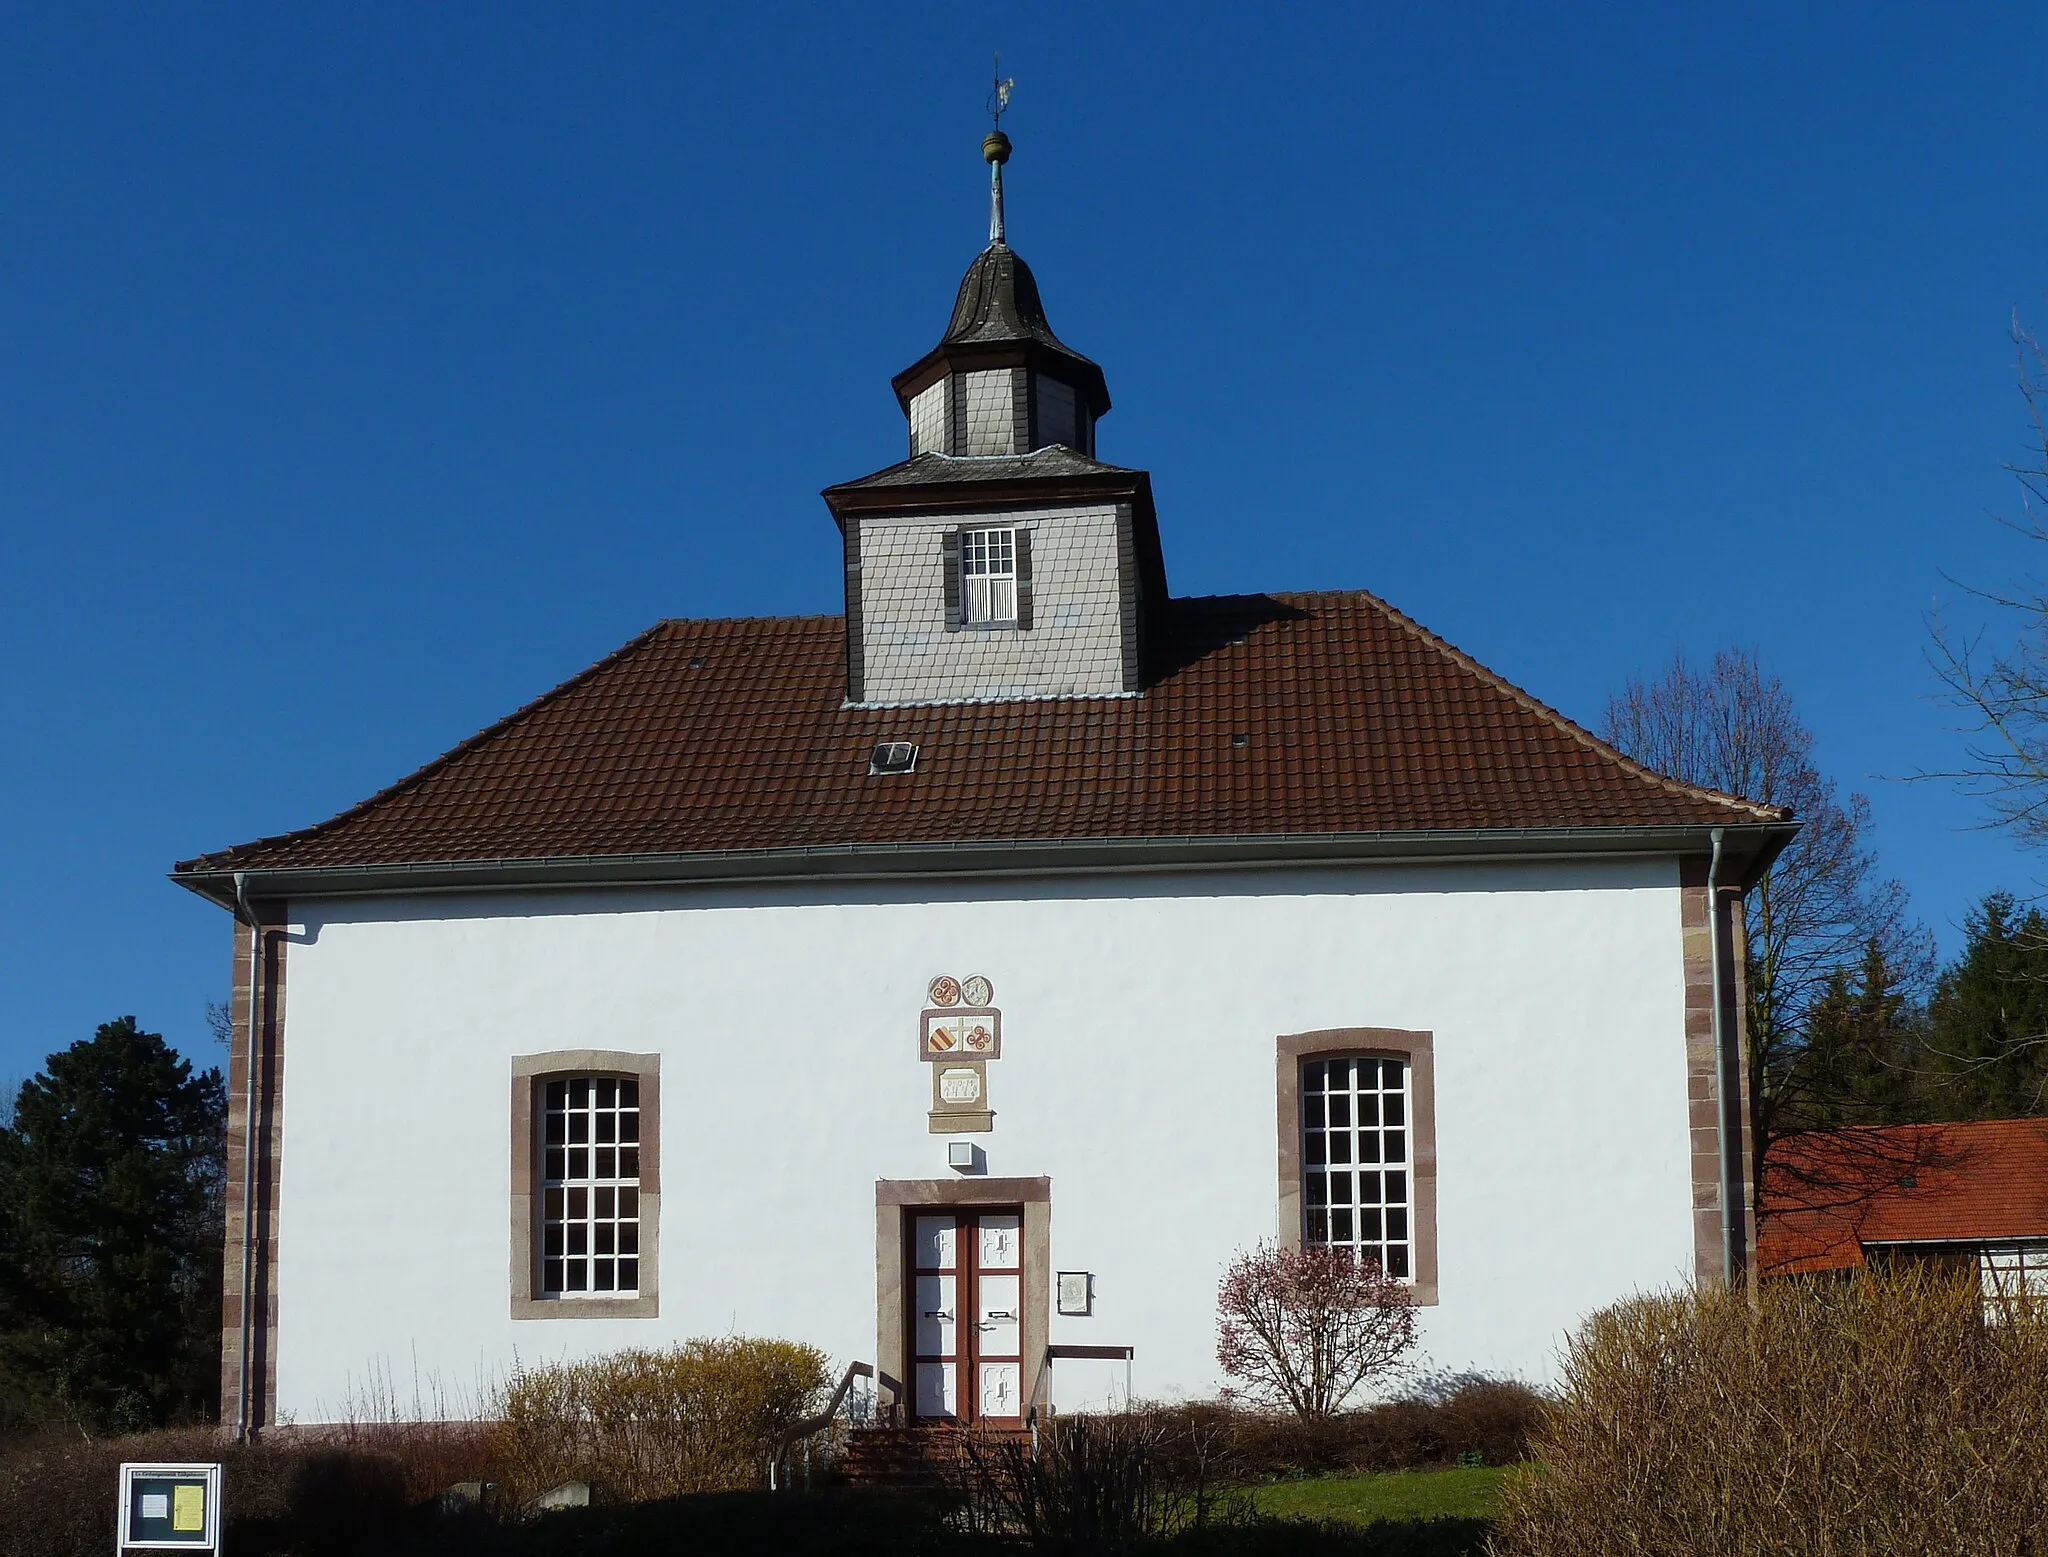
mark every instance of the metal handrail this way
{"type": "Point", "coordinates": [1122, 1354]}
{"type": "Point", "coordinates": [823, 1420]}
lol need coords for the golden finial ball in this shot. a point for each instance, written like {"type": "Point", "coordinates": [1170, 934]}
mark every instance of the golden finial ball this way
{"type": "Point", "coordinates": [995, 147]}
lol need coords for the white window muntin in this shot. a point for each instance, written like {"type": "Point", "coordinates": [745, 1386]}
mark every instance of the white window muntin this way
{"type": "Point", "coordinates": [1357, 1174]}
{"type": "Point", "coordinates": [988, 577]}
{"type": "Point", "coordinates": [590, 1187]}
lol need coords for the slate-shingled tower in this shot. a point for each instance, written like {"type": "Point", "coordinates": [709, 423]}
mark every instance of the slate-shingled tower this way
{"type": "Point", "coordinates": [1002, 560]}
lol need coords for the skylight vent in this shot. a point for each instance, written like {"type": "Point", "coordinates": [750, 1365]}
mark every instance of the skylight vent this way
{"type": "Point", "coordinates": [893, 757]}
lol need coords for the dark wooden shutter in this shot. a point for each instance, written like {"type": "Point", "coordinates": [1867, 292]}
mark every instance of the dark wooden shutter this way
{"type": "Point", "coordinates": [949, 560]}
{"type": "Point", "coordinates": [1023, 579]}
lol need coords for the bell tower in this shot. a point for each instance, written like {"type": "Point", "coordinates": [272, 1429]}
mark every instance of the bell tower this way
{"type": "Point", "coordinates": [1001, 560]}
{"type": "Point", "coordinates": [1000, 381]}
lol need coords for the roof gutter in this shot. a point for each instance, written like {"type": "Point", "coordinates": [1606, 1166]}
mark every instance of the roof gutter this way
{"type": "Point", "coordinates": [1752, 846]}
{"type": "Point", "coordinates": [1976, 1240]}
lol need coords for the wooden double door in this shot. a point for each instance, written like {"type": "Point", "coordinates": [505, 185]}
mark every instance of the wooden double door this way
{"type": "Point", "coordinates": [966, 1315]}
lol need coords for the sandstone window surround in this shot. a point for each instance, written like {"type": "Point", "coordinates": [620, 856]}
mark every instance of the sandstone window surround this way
{"type": "Point", "coordinates": [1413, 1139]}
{"type": "Point", "coordinates": [583, 1206]}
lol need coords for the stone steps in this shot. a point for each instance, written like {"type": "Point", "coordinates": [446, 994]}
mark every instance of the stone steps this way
{"type": "Point", "coordinates": [907, 1459]}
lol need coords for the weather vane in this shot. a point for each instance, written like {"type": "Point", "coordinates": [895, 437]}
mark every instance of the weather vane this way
{"type": "Point", "coordinates": [999, 94]}
{"type": "Point", "coordinates": [995, 150]}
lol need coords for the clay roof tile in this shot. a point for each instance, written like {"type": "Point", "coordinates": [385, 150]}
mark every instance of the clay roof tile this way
{"type": "Point", "coordinates": [702, 736]}
{"type": "Point", "coordinates": [1829, 1193]}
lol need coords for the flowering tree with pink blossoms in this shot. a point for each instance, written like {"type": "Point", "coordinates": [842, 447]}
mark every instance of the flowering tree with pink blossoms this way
{"type": "Point", "coordinates": [1306, 1328]}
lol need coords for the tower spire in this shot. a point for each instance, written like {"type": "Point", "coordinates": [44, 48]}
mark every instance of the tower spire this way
{"type": "Point", "coordinates": [995, 150]}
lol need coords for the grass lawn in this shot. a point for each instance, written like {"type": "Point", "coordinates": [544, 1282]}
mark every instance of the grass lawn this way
{"type": "Point", "coordinates": [1364, 1496]}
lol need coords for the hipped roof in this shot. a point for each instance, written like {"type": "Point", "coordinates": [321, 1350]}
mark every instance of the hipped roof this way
{"type": "Point", "coordinates": [1266, 717]}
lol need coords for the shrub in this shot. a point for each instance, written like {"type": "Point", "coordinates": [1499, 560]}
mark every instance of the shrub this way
{"type": "Point", "coordinates": [1306, 1328]}
{"type": "Point", "coordinates": [429, 1456]}
{"type": "Point", "coordinates": [298, 1496]}
{"type": "Point", "coordinates": [1261, 1537]}
{"type": "Point", "coordinates": [1453, 1420]}
{"type": "Point", "coordinates": [1878, 1415]}
{"type": "Point", "coordinates": [848, 1523]}
{"type": "Point", "coordinates": [1108, 1483]}
{"type": "Point", "coordinates": [439, 1437]}
{"type": "Point", "coordinates": [1491, 1419]}
{"type": "Point", "coordinates": [699, 1417]}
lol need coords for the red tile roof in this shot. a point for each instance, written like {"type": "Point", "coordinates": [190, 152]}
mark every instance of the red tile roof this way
{"type": "Point", "coordinates": [1827, 1193]}
{"type": "Point", "coordinates": [733, 735]}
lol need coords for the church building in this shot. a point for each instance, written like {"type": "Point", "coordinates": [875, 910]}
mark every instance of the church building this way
{"type": "Point", "coordinates": [961, 982]}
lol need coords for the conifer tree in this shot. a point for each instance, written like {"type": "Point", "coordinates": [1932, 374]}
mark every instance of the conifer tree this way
{"type": "Point", "coordinates": [1988, 1017]}
{"type": "Point", "coordinates": [1860, 1061]}
{"type": "Point", "coordinates": [110, 1226]}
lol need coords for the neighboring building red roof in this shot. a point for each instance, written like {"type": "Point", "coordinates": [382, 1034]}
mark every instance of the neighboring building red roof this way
{"type": "Point", "coordinates": [734, 735]}
{"type": "Point", "coordinates": [1828, 1193]}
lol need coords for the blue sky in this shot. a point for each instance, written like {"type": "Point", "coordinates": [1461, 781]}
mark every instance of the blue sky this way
{"type": "Point", "coordinates": [366, 370]}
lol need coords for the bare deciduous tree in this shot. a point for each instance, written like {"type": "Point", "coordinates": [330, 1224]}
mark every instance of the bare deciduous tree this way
{"type": "Point", "coordinates": [1822, 907]}
{"type": "Point", "coordinates": [2000, 684]}
{"type": "Point", "coordinates": [2003, 690]}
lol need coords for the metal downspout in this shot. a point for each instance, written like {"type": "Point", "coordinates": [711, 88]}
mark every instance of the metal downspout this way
{"type": "Point", "coordinates": [1728, 1122]}
{"type": "Point", "coordinates": [247, 915]}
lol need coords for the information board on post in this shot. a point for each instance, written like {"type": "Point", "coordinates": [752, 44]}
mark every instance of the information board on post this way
{"type": "Point", "coordinates": [169, 1508]}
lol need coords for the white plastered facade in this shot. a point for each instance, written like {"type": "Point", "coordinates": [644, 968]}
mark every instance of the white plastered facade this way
{"type": "Point", "coordinates": [1139, 1017]}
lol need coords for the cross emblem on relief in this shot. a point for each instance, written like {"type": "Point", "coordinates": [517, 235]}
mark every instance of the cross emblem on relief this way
{"type": "Point", "coordinates": [961, 1022]}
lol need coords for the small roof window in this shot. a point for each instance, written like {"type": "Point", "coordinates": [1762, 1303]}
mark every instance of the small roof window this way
{"type": "Point", "coordinates": [893, 757]}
